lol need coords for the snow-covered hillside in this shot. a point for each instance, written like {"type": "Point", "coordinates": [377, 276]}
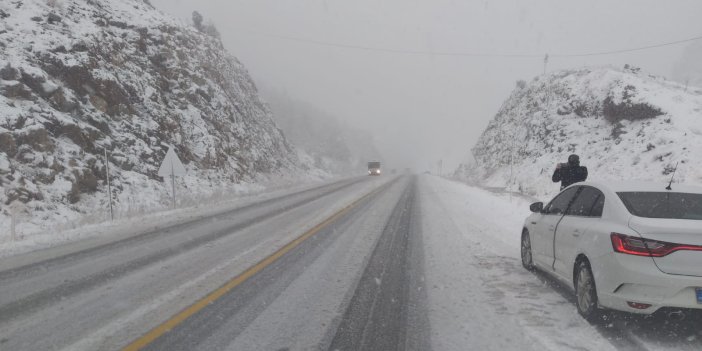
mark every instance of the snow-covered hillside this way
{"type": "Point", "coordinates": [623, 123]}
{"type": "Point", "coordinates": [79, 76]}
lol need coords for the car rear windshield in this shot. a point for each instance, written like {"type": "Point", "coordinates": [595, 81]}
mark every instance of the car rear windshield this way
{"type": "Point", "coordinates": [668, 205]}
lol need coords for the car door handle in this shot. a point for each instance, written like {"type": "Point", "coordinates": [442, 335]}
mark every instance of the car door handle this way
{"type": "Point", "coordinates": [576, 233]}
{"type": "Point", "coordinates": [533, 222]}
{"type": "Point", "coordinates": [552, 228]}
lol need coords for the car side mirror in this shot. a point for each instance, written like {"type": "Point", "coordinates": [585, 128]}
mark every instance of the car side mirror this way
{"type": "Point", "coordinates": [537, 207]}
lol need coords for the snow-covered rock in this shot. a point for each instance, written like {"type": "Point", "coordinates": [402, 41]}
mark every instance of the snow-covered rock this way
{"type": "Point", "coordinates": [81, 76]}
{"type": "Point", "coordinates": [623, 123]}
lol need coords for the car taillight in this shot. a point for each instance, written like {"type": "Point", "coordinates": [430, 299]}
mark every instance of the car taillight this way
{"type": "Point", "coordinates": [634, 245]}
{"type": "Point", "coordinates": [638, 305]}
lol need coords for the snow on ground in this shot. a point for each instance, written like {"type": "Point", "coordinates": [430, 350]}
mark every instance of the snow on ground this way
{"type": "Point", "coordinates": [99, 227]}
{"type": "Point", "coordinates": [480, 297]}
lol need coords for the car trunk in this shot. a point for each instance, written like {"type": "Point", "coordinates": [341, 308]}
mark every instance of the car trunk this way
{"type": "Point", "coordinates": [678, 231]}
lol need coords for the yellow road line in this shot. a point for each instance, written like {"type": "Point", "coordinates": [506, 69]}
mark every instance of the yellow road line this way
{"type": "Point", "coordinates": [156, 332]}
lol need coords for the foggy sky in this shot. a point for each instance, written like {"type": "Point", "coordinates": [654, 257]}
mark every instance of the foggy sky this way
{"type": "Point", "coordinates": [422, 108]}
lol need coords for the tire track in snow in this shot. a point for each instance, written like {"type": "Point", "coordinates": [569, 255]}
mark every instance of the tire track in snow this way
{"type": "Point", "coordinates": [383, 310]}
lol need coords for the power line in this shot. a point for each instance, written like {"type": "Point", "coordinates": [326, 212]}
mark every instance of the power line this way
{"type": "Point", "coordinates": [396, 51]}
{"type": "Point", "coordinates": [631, 49]}
{"type": "Point", "coordinates": [467, 54]}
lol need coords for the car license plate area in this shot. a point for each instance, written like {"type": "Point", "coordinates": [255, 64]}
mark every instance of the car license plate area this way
{"type": "Point", "coordinates": [699, 295]}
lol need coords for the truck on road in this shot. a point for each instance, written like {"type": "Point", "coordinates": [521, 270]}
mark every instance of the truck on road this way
{"type": "Point", "coordinates": [374, 168]}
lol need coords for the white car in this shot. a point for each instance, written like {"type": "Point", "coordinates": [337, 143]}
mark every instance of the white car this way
{"type": "Point", "coordinates": [634, 247]}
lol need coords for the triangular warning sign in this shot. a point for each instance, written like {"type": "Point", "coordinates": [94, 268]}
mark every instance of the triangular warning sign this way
{"type": "Point", "coordinates": [171, 165]}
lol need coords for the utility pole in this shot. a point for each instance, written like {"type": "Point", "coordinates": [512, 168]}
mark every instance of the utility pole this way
{"type": "Point", "coordinates": [109, 186]}
{"type": "Point", "coordinates": [545, 62]}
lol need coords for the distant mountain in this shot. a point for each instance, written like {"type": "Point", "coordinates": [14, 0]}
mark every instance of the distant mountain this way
{"type": "Point", "coordinates": [327, 142]}
{"type": "Point", "coordinates": [688, 69]}
{"type": "Point", "coordinates": [81, 76]}
{"type": "Point", "coordinates": [625, 124]}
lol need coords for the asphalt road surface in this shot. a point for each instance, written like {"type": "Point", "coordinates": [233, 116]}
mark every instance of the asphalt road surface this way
{"type": "Point", "coordinates": [367, 263]}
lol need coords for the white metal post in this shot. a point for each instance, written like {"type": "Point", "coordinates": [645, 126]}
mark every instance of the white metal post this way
{"type": "Point", "coordinates": [109, 186]}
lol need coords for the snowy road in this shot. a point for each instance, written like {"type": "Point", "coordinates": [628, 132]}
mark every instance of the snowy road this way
{"type": "Point", "coordinates": [370, 263]}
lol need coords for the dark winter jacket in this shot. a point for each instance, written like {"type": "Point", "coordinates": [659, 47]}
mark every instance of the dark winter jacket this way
{"type": "Point", "coordinates": [568, 175]}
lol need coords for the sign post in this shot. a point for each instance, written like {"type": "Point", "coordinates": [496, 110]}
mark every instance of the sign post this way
{"type": "Point", "coordinates": [171, 167]}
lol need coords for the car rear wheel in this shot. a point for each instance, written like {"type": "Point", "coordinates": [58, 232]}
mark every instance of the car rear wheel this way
{"type": "Point", "coordinates": [585, 291]}
{"type": "Point", "coordinates": [527, 258]}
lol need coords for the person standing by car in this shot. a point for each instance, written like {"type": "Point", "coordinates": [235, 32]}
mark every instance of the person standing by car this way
{"type": "Point", "coordinates": [569, 173]}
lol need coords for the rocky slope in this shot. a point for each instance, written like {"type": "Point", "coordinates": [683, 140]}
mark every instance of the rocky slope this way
{"type": "Point", "coordinates": [624, 124]}
{"type": "Point", "coordinates": [81, 76]}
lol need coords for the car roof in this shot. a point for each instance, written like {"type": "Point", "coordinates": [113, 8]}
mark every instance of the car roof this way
{"type": "Point", "coordinates": [643, 186]}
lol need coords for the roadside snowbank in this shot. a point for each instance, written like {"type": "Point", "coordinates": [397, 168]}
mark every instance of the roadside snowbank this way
{"type": "Point", "coordinates": [480, 297]}
{"type": "Point", "coordinates": [129, 222]}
